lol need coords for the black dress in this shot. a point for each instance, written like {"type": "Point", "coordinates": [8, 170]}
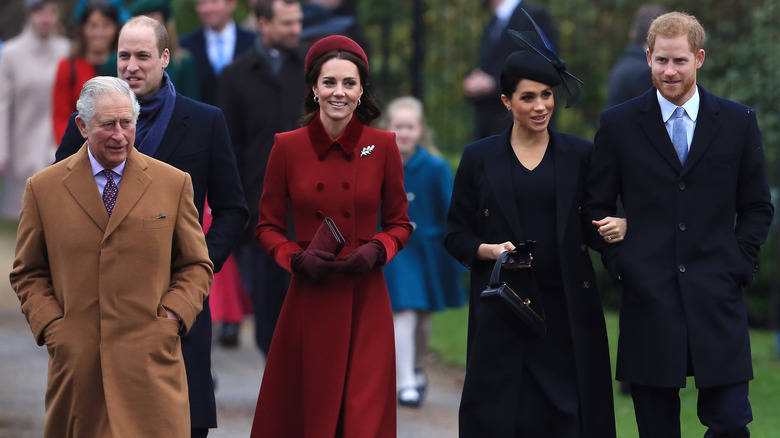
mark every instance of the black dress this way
{"type": "Point", "coordinates": [548, 384]}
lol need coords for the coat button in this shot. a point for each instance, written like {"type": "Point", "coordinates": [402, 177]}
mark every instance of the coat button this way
{"type": "Point", "coordinates": [345, 185]}
{"type": "Point", "coordinates": [349, 157]}
{"type": "Point", "coordinates": [681, 268]}
{"type": "Point", "coordinates": [586, 284]}
{"type": "Point", "coordinates": [320, 187]}
{"type": "Point", "coordinates": [347, 214]}
{"type": "Point", "coordinates": [583, 247]}
{"type": "Point", "coordinates": [681, 226]}
{"type": "Point", "coordinates": [681, 185]}
{"type": "Point", "coordinates": [486, 212]}
{"type": "Point", "coordinates": [319, 214]}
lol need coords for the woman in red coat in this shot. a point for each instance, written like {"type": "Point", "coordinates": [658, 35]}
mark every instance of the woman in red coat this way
{"type": "Point", "coordinates": [96, 39]}
{"type": "Point", "coordinates": [331, 368]}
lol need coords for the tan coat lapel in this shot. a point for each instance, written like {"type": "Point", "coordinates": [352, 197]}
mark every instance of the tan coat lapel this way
{"type": "Point", "coordinates": [134, 183]}
{"type": "Point", "coordinates": [81, 184]}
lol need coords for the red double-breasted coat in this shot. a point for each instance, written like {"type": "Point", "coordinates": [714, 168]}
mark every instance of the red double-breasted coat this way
{"type": "Point", "coordinates": [331, 367]}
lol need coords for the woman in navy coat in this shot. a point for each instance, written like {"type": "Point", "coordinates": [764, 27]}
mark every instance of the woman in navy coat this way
{"type": "Point", "coordinates": [330, 369]}
{"type": "Point", "coordinates": [527, 184]}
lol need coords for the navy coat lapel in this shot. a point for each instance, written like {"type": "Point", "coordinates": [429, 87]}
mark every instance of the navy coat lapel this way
{"type": "Point", "coordinates": [653, 126]}
{"type": "Point", "coordinates": [498, 169]}
{"type": "Point", "coordinates": [567, 173]}
{"type": "Point", "coordinates": [708, 125]}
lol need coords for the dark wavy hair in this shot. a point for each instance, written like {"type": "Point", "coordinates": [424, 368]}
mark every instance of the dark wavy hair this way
{"type": "Point", "coordinates": [366, 112]}
{"type": "Point", "coordinates": [105, 9]}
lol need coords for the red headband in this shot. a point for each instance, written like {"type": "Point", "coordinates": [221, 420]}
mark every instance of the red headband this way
{"type": "Point", "coordinates": [333, 42]}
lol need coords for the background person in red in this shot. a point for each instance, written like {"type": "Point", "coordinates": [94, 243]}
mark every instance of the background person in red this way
{"type": "Point", "coordinates": [331, 366]}
{"type": "Point", "coordinates": [95, 40]}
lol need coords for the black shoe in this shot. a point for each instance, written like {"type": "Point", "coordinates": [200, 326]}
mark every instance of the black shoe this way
{"type": "Point", "coordinates": [228, 335]}
{"type": "Point", "coordinates": [409, 397]}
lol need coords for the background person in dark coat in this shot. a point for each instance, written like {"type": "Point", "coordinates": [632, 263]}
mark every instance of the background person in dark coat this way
{"type": "Point", "coordinates": [261, 94]}
{"type": "Point", "coordinates": [630, 76]}
{"type": "Point", "coordinates": [216, 45]}
{"type": "Point", "coordinates": [482, 84]}
{"type": "Point", "coordinates": [696, 225]}
{"type": "Point", "coordinates": [527, 183]}
{"type": "Point", "coordinates": [196, 141]}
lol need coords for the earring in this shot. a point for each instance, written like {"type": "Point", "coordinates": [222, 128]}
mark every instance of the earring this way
{"type": "Point", "coordinates": [317, 99]}
{"type": "Point", "coordinates": [358, 101]}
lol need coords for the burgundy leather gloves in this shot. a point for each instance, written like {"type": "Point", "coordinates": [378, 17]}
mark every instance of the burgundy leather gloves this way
{"type": "Point", "coordinates": [313, 263]}
{"type": "Point", "coordinates": [362, 259]}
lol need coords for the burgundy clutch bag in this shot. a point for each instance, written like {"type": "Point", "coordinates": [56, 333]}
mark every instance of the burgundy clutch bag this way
{"type": "Point", "coordinates": [327, 238]}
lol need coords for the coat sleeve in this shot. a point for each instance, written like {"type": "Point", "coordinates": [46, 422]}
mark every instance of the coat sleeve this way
{"type": "Point", "coordinates": [272, 223]}
{"type": "Point", "coordinates": [226, 197]}
{"type": "Point", "coordinates": [396, 228]}
{"type": "Point", "coordinates": [754, 206]}
{"type": "Point", "coordinates": [191, 268]}
{"type": "Point", "coordinates": [462, 240]}
{"type": "Point", "coordinates": [31, 275]}
{"type": "Point", "coordinates": [601, 192]}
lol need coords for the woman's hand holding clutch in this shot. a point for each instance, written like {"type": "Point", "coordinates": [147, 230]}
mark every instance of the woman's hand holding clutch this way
{"type": "Point", "coordinates": [313, 263]}
{"type": "Point", "coordinates": [362, 259]}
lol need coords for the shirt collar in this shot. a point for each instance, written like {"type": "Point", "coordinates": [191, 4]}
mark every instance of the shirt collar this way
{"type": "Point", "coordinates": [323, 142]}
{"type": "Point", "coordinates": [506, 8]}
{"type": "Point", "coordinates": [228, 34]}
{"type": "Point", "coordinates": [97, 168]}
{"type": "Point", "coordinates": [691, 106]}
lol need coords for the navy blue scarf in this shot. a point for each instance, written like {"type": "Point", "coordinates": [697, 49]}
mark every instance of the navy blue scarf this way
{"type": "Point", "coordinates": [154, 117]}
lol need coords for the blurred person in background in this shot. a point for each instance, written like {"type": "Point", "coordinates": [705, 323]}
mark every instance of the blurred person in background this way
{"type": "Point", "coordinates": [261, 94]}
{"type": "Point", "coordinates": [422, 279]}
{"type": "Point", "coordinates": [481, 85]}
{"type": "Point", "coordinates": [630, 76]}
{"type": "Point", "coordinates": [181, 66]}
{"type": "Point", "coordinates": [215, 45]}
{"type": "Point", "coordinates": [92, 50]}
{"type": "Point", "coordinates": [28, 65]}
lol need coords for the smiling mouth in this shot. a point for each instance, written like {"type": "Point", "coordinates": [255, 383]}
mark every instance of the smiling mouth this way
{"type": "Point", "coordinates": [538, 118]}
{"type": "Point", "coordinates": [339, 104]}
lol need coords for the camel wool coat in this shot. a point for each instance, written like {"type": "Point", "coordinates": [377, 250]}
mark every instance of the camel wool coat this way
{"type": "Point", "coordinates": [93, 289]}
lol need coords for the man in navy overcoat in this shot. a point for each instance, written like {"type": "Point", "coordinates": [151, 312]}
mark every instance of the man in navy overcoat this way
{"type": "Point", "coordinates": [696, 219]}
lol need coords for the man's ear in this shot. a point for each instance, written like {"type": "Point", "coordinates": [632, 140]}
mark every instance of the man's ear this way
{"type": "Point", "coordinates": [82, 126]}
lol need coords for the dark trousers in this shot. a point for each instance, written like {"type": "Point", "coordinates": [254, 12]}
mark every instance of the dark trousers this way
{"type": "Point", "coordinates": [724, 410]}
{"type": "Point", "coordinates": [199, 433]}
{"type": "Point", "coordinates": [267, 283]}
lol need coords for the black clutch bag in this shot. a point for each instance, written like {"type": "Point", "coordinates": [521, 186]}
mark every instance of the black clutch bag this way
{"type": "Point", "coordinates": [327, 238]}
{"type": "Point", "coordinates": [515, 305]}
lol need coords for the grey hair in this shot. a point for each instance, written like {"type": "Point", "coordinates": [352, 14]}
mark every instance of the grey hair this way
{"type": "Point", "coordinates": [103, 86]}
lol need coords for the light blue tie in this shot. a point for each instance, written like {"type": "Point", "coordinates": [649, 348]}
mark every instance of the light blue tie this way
{"type": "Point", "coordinates": [679, 135]}
{"type": "Point", "coordinates": [220, 55]}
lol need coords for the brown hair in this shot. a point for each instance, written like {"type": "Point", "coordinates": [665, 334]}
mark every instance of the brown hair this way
{"type": "Point", "coordinates": [265, 8]}
{"type": "Point", "coordinates": [160, 32]}
{"type": "Point", "coordinates": [675, 24]}
{"type": "Point", "coordinates": [366, 112]}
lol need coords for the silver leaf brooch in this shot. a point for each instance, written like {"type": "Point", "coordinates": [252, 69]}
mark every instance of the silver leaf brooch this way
{"type": "Point", "coordinates": [367, 150]}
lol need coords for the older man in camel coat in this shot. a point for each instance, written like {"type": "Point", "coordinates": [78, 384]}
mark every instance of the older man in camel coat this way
{"type": "Point", "coordinates": [109, 285]}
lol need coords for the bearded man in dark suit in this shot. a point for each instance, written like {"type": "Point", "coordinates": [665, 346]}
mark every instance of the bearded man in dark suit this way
{"type": "Point", "coordinates": [697, 216]}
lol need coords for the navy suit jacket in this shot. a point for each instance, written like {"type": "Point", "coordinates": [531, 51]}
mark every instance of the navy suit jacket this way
{"type": "Point", "coordinates": [693, 237]}
{"type": "Point", "coordinates": [197, 142]}
{"type": "Point", "coordinates": [207, 79]}
{"type": "Point", "coordinates": [484, 210]}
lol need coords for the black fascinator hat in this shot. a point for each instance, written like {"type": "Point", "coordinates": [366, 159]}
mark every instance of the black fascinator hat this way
{"type": "Point", "coordinates": [538, 61]}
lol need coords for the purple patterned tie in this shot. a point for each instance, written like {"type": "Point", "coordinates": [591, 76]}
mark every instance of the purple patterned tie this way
{"type": "Point", "coordinates": [110, 191]}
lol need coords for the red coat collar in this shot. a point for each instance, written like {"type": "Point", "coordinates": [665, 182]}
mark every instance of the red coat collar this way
{"type": "Point", "coordinates": [323, 142]}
